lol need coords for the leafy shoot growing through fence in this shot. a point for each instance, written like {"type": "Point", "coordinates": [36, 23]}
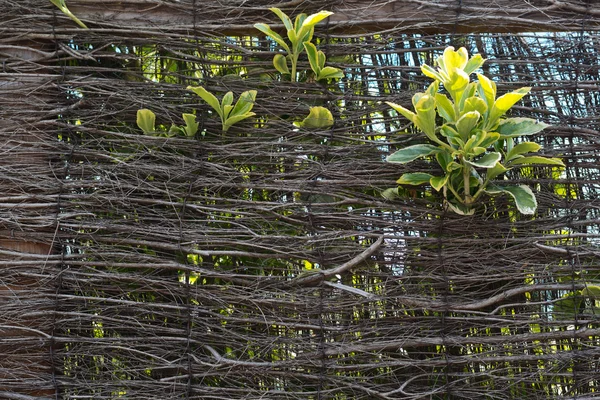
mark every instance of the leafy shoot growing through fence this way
{"type": "Point", "coordinates": [300, 34]}
{"type": "Point", "coordinates": [230, 114]}
{"type": "Point", "coordinates": [146, 120]}
{"type": "Point", "coordinates": [475, 145]}
{"type": "Point", "coordinates": [62, 6]}
{"type": "Point", "coordinates": [318, 118]}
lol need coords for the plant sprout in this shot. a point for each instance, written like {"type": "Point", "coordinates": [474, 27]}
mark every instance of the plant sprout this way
{"type": "Point", "coordinates": [146, 122]}
{"type": "Point", "coordinates": [475, 145]}
{"type": "Point", "coordinates": [230, 114]}
{"type": "Point", "coordinates": [299, 34]}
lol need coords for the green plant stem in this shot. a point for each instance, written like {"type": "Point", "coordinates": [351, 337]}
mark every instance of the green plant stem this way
{"type": "Point", "coordinates": [455, 193]}
{"type": "Point", "coordinates": [467, 183]}
{"type": "Point", "coordinates": [481, 189]}
{"type": "Point", "coordinates": [294, 65]}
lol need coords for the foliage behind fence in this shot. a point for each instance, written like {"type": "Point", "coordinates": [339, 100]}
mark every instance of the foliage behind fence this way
{"type": "Point", "coordinates": [188, 267]}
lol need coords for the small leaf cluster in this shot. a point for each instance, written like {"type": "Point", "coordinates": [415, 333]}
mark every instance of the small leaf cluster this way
{"type": "Point", "coordinates": [299, 34]}
{"type": "Point", "coordinates": [475, 144]}
{"type": "Point", "coordinates": [146, 121]}
{"type": "Point", "coordinates": [229, 113]}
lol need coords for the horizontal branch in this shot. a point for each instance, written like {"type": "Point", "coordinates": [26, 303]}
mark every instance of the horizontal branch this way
{"type": "Point", "coordinates": [351, 17]}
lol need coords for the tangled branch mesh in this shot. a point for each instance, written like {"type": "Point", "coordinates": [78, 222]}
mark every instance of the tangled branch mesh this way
{"type": "Point", "coordinates": [177, 267]}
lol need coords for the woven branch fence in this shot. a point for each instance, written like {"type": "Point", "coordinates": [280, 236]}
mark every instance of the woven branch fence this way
{"type": "Point", "coordinates": [263, 262]}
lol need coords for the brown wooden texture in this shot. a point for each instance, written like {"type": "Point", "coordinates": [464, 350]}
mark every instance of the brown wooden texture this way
{"type": "Point", "coordinates": [351, 16]}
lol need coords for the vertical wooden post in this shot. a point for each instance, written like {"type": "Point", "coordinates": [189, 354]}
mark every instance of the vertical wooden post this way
{"type": "Point", "coordinates": [28, 210]}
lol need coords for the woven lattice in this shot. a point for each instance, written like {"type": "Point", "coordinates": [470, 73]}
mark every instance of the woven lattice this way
{"type": "Point", "coordinates": [146, 267]}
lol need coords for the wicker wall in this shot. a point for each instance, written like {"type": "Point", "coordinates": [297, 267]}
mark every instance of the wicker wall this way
{"type": "Point", "coordinates": [145, 267]}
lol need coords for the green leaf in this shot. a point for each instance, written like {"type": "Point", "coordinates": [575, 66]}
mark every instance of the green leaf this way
{"type": "Point", "coordinates": [390, 193]}
{"type": "Point", "coordinates": [299, 21]}
{"type": "Point", "coordinates": [227, 99]}
{"type": "Point", "coordinates": [175, 130]}
{"type": "Point", "coordinates": [314, 19]}
{"type": "Point", "coordinates": [466, 123]}
{"type": "Point", "coordinates": [411, 153]}
{"type": "Point", "coordinates": [489, 139]}
{"type": "Point", "coordinates": [226, 111]}
{"type": "Point", "coordinates": [523, 148]}
{"type": "Point", "coordinates": [438, 182]}
{"type": "Point", "coordinates": [431, 72]}
{"type": "Point", "coordinates": [208, 97]}
{"type": "Point", "coordinates": [467, 94]}
{"type": "Point", "coordinates": [522, 195]}
{"type": "Point", "coordinates": [264, 28]}
{"type": "Point", "coordinates": [504, 103]}
{"type": "Point", "coordinates": [280, 64]}
{"type": "Point", "coordinates": [487, 161]}
{"type": "Point", "coordinates": [495, 171]}
{"type": "Point", "coordinates": [592, 291]}
{"type": "Point", "coordinates": [460, 209]}
{"type": "Point", "coordinates": [537, 160]}
{"type": "Point", "coordinates": [513, 127]}
{"type": "Point", "coordinates": [294, 40]}
{"type": "Point", "coordinates": [425, 119]}
{"type": "Point", "coordinates": [475, 104]}
{"type": "Point", "coordinates": [414, 178]}
{"type": "Point", "coordinates": [318, 118]}
{"type": "Point", "coordinates": [287, 22]}
{"type": "Point", "coordinates": [486, 89]}
{"type": "Point", "coordinates": [458, 82]}
{"type": "Point", "coordinates": [453, 136]}
{"type": "Point", "coordinates": [313, 57]}
{"type": "Point", "coordinates": [445, 107]}
{"type": "Point", "coordinates": [244, 103]}
{"type": "Point", "coordinates": [145, 120]}
{"type": "Point", "coordinates": [444, 159]}
{"type": "Point", "coordinates": [321, 59]}
{"type": "Point", "coordinates": [329, 73]}
{"type": "Point", "coordinates": [475, 62]}
{"type": "Point", "coordinates": [235, 119]}
{"type": "Point", "coordinates": [409, 115]}
{"type": "Point", "coordinates": [191, 126]}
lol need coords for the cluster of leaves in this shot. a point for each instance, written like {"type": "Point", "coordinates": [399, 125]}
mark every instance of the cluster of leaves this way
{"type": "Point", "coordinates": [300, 34]}
{"type": "Point", "coordinates": [146, 121]}
{"type": "Point", "coordinates": [475, 144]}
{"type": "Point", "coordinates": [230, 114]}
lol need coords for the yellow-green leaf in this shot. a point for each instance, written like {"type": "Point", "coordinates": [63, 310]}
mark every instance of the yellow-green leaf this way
{"type": "Point", "coordinates": [318, 118]}
{"type": "Point", "coordinates": [191, 126]}
{"type": "Point", "coordinates": [145, 120]}
{"type": "Point", "coordinates": [523, 148]}
{"type": "Point", "coordinates": [504, 103]}
{"type": "Point", "coordinates": [438, 182]}
{"type": "Point", "coordinates": [409, 115]}
{"type": "Point", "coordinates": [287, 22]}
{"type": "Point", "coordinates": [414, 178]}
{"type": "Point", "coordinates": [514, 127]}
{"type": "Point", "coordinates": [280, 64]}
{"type": "Point", "coordinates": [208, 97]}
{"type": "Point", "coordinates": [264, 28]}
{"type": "Point", "coordinates": [445, 107]}
{"type": "Point", "coordinates": [411, 153]}
{"type": "Point", "coordinates": [536, 160]}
